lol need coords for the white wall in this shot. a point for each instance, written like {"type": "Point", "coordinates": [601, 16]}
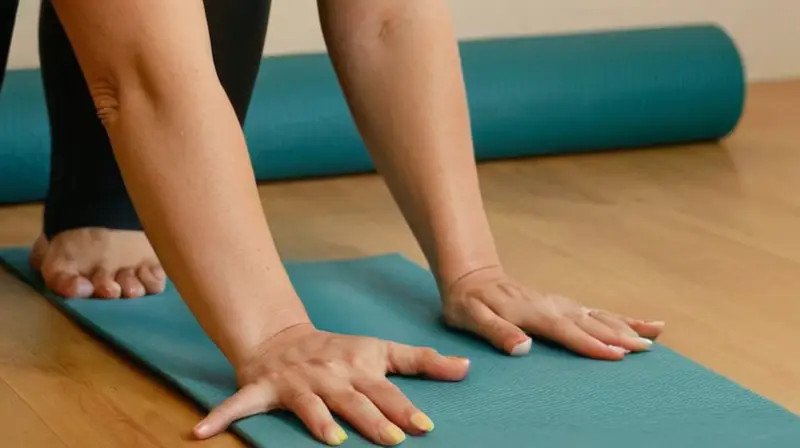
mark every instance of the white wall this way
{"type": "Point", "coordinates": [766, 31]}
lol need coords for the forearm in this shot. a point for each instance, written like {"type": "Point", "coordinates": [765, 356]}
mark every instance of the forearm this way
{"type": "Point", "coordinates": [399, 66]}
{"type": "Point", "coordinates": [185, 164]}
{"type": "Point", "coordinates": [191, 181]}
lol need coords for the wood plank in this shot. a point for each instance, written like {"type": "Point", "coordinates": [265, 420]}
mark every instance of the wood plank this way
{"type": "Point", "coordinates": [20, 426]}
{"type": "Point", "coordinates": [81, 389]}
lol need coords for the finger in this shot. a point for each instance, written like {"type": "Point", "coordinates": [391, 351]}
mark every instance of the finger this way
{"type": "Point", "coordinates": [614, 321]}
{"type": "Point", "coordinates": [407, 360]}
{"type": "Point", "coordinates": [311, 410]}
{"type": "Point", "coordinates": [499, 332]}
{"type": "Point", "coordinates": [565, 332]}
{"type": "Point", "coordinates": [612, 331]}
{"type": "Point", "coordinates": [365, 417]}
{"type": "Point", "coordinates": [649, 330]}
{"type": "Point", "coordinates": [252, 399]}
{"type": "Point", "coordinates": [394, 404]}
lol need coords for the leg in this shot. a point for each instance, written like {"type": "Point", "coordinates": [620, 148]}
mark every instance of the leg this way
{"type": "Point", "coordinates": [90, 224]}
{"type": "Point", "coordinates": [8, 16]}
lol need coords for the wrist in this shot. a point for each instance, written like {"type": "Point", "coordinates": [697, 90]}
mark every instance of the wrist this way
{"type": "Point", "coordinates": [451, 267]}
{"type": "Point", "coordinates": [447, 285]}
{"type": "Point", "coordinates": [249, 337]}
{"type": "Point", "coordinates": [250, 367]}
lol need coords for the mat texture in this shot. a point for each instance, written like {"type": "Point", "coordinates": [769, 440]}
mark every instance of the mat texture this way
{"type": "Point", "coordinates": [528, 96]}
{"type": "Point", "coordinates": [548, 399]}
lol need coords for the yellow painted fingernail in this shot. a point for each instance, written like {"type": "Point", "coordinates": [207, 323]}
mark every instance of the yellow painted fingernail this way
{"type": "Point", "coordinates": [335, 436]}
{"type": "Point", "coordinates": [392, 435]}
{"type": "Point", "coordinates": [422, 422]}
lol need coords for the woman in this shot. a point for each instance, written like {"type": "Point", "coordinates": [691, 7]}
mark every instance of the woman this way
{"type": "Point", "coordinates": [170, 89]}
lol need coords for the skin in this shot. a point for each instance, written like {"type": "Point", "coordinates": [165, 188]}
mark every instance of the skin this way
{"type": "Point", "coordinates": [398, 65]}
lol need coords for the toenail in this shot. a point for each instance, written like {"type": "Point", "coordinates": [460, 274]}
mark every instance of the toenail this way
{"type": "Point", "coordinates": [84, 287]}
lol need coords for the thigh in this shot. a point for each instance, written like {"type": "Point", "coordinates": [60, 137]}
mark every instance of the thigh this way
{"type": "Point", "coordinates": [238, 30]}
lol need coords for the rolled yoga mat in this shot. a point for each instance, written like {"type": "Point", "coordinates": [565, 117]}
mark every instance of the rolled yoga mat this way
{"type": "Point", "coordinates": [550, 398]}
{"type": "Point", "coordinates": [528, 96]}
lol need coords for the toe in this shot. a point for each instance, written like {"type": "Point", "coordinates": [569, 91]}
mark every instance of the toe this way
{"type": "Point", "coordinates": [129, 283]}
{"type": "Point", "coordinates": [105, 287]}
{"type": "Point", "coordinates": [70, 285]}
{"type": "Point", "coordinates": [153, 278]}
{"type": "Point", "coordinates": [38, 252]}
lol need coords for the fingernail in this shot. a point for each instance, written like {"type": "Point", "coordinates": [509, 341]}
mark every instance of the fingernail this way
{"type": "Point", "coordinates": [335, 436]}
{"type": "Point", "coordinates": [422, 422]}
{"type": "Point", "coordinates": [619, 350]}
{"type": "Point", "coordinates": [459, 359]}
{"type": "Point", "coordinates": [392, 435]}
{"type": "Point", "coordinates": [522, 348]}
{"type": "Point", "coordinates": [657, 323]}
{"type": "Point", "coordinates": [646, 341]}
{"type": "Point", "coordinates": [201, 430]}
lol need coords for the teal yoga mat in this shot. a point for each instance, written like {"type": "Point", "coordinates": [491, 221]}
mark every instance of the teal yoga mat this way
{"type": "Point", "coordinates": [549, 399]}
{"type": "Point", "coordinates": [528, 96]}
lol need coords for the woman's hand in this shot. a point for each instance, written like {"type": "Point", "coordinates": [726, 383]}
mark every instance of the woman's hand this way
{"type": "Point", "coordinates": [311, 373]}
{"type": "Point", "coordinates": [492, 305]}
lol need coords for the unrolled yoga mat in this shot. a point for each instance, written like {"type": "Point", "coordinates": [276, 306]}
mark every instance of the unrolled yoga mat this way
{"type": "Point", "coordinates": [550, 398]}
{"type": "Point", "coordinates": [527, 96]}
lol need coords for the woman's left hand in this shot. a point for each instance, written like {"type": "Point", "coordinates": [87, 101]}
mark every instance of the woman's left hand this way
{"type": "Point", "coordinates": [492, 305]}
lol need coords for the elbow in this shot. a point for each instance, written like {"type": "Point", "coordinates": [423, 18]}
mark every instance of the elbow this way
{"type": "Point", "coordinates": [366, 24]}
{"type": "Point", "coordinates": [136, 82]}
{"type": "Point", "coordinates": [105, 93]}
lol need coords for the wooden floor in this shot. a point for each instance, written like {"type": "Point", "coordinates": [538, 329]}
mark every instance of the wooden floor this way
{"type": "Point", "coordinates": [704, 237]}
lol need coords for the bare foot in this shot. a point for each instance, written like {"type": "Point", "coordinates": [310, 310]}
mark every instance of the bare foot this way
{"type": "Point", "coordinates": [99, 263]}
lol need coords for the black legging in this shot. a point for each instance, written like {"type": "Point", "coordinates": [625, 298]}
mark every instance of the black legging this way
{"type": "Point", "coordinates": [8, 15]}
{"type": "Point", "coordinates": [86, 188]}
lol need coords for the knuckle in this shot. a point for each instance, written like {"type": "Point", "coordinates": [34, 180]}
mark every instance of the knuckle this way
{"type": "Point", "coordinates": [303, 399]}
{"type": "Point", "coordinates": [351, 397]}
{"type": "Point", "coordinates": [271, 377]}
{"type": "Point", "coordinates": [489, 326]}
{"type": "Point", "coordinates": [427, 353]}
{"type": "Point", "coordinates": [324, 363]}
{"type": "Point", "coordinates": [561, 326]}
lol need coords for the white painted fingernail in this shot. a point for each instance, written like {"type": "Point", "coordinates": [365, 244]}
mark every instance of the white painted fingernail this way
{"type": "Point", "coordinates": [646, 341]}
{"type": "Point", "coordinates": [619, 350]}
{"type": "Point", "coordinates": [522, 348]}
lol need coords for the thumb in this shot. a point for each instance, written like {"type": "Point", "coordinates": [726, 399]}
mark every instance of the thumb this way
{"type": "Point", "coordinates": [499, 332]}
{"type": "Point", "coordinates": [251, 399]}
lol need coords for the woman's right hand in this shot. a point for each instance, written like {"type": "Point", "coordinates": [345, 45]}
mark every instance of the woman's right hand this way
{"type": "Point", "coordinates": [311, 373]}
